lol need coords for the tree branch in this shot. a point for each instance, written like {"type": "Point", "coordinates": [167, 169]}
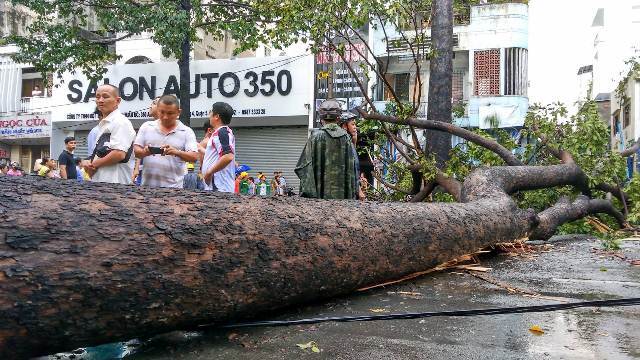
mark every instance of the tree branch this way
{"type": "Point", "coordinates": [399, 148]}
{"type": "Point", "coordinates": [387, 184]}
{"type": "Point", "coordinates": [423, 193]}
{"type": "Point", "coordinates": [617, 192]}
{"type": "Point", "coordinates": [110, 41]}
{"type": "Point", "coordinates": [488, 144]}
{"type": "Point", "coordinates": [450, 185]}
{"type": "Point", "coordinates": [565, 211]}
{"type": "Point", "coordinates": [631, 150]}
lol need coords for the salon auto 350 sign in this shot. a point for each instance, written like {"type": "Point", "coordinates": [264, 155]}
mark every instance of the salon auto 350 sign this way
{"type": "Point", "coordinates": [254, 87]}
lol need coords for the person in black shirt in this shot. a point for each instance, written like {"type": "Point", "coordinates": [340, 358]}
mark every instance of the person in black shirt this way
{"type": "Point", "coordinates": [66, 161]}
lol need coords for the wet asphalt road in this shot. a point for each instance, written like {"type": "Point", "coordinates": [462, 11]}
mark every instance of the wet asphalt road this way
{"type": "Point", "coordinates": [570, 270]}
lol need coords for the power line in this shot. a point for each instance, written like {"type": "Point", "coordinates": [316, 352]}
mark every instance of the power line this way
{"type": "Point", "coordinates": [456, 313]}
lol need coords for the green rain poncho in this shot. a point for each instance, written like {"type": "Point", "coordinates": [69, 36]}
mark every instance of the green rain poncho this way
{"type": "Point", "coordinates": [326, 167]}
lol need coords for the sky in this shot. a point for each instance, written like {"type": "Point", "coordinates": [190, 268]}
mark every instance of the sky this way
{"type": "Point", "coordinates": [561, 40]}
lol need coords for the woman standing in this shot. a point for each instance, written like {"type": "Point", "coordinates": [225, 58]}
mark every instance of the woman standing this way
{"type": "Point", "coordinates": [46, 167]}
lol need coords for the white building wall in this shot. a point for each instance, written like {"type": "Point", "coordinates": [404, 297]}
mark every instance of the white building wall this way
{"type": "Point", "coordinates": [10, 81]}
{"type": "Point", "coordinates": [292, 50]}
{"type": "Point", "coordinates": [141, 45]}
{"type": "Point", "coordinates": [614, 42]}
{"type": "Point", "coordinates": [497, 26]}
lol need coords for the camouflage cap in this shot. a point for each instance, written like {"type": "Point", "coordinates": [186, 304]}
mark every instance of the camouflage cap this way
{"type": "Point", "coordinates": [347, 116]}
{"type": "Point", "coordinates": [329, 109]}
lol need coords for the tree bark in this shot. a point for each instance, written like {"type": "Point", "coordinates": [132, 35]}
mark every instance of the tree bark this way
{"type": "Point", "coordinates": [440, 79]}
{"type": "Point", "coordinates": [451, 185]}
{"type": "Point", "coordinates": [85, 264]}
{"type": "Point", "coordinates": [565, 210]}
{"type": "Point", "coordinates": [185, 71]}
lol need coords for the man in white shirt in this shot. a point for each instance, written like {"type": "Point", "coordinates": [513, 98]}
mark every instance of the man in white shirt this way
{"type": "Point", "coordinates": [115, 140]}
{"type": "Point", "coordinates": [218, 166]}
{"type": "Point", "coordinates": [166, 145]}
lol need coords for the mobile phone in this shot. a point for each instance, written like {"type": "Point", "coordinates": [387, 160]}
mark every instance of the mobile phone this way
{"type": "Point", "coordinates": [155, 150]}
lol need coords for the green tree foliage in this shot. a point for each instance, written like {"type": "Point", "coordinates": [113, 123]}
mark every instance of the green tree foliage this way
{"type": "Point", "coordinates": [547, 128]}
{"type": "Point", "coordinates": [62, 38]}
{"type": "Point", "coordinates": [632, 71]}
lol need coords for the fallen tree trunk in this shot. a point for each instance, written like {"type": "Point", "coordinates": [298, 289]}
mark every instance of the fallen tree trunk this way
{"type": "Point", "coordinates": [95, 263]}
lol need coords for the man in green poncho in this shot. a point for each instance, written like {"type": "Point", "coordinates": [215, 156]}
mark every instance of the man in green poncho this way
{"type": "Point", "coordinates": [326, 167]}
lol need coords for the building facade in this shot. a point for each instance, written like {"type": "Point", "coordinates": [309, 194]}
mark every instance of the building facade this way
{"type": "Point", "coordinates": [25, 125]}
{"type": "Point", "coordinates": [489, 65]}
{"type": "Point", "coordinates": [272, 99]}
{"type": "Point", "coordinates": [270, 133]}
{"type": "Point", "coordinates": [615, 42]}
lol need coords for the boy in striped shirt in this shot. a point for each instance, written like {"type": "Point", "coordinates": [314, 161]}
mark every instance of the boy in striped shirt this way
{"type": "Point", "coordinates": [218, 165]}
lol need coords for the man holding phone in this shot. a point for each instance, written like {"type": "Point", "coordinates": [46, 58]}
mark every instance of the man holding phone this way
{"type": "Point", "coordinates": [166, 145]}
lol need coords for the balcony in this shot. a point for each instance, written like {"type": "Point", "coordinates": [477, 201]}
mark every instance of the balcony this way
{"type": "Point", "coordinates": [34, 104]}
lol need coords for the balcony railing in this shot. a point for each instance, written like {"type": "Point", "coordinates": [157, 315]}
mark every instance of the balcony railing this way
{"type": "Point", "coordinates": [33, 104]}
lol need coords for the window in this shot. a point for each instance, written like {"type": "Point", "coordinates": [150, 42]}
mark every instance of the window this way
{"type": "Point", "coordinates": [486, 66]}
{"type": "Point", "coordinates": [401, 86]}
{"type": "Point", "coordinates": [616, 123]}
{"type": "Point", "coordinates": [29, 86]}
{"type": "Point", "coordinates": [626, 116]}
{"type": "Point", "coordinates": [139, 59]}
{"type": "Point", "coordinates": [515, 71]}
{"type": "Point", "coordinates": [457, 86]}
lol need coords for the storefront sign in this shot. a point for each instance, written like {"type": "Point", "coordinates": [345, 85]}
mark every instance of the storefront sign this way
{"type": "Point", "coordinates": [331, 69]}
{"type": "Point", "coordinates": [252, 86]}
{"type": "Point", "coordinates": [25, 126]}
{"type": "Point", "coordinates": [338, 76]}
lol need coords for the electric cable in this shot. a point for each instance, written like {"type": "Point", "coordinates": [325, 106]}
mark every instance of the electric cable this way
{"type": "Point", "coordinates": [451, 313]}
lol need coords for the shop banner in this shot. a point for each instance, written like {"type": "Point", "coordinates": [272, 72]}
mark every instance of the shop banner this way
{"type": "Point", "coordinates": [25, 126]}
{"type": "Point", "coordinates": [254, 87]}
{"type": "Point", "coordinates": [336, 73]}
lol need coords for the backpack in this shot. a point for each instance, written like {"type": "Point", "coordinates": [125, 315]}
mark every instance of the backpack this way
{"type": "Point", "coordinates": [101, 150]}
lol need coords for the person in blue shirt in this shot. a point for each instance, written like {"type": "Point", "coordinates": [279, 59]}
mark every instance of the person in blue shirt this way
{"type": "Point", "coordinates": [78, 162]}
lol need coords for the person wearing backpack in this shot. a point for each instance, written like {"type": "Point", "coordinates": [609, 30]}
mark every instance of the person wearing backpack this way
{"type": "Point", "coordinates": [110, 161]}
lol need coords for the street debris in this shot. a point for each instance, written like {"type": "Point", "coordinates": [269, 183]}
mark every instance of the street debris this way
{"type": "Point", "coordinates": [513, 289]}
{"type": "Point", "coordinates": [471, 262]}
{"type": "Point", "coordinates": [598, 225]}
{"type": "Point", "coordinates": [409, 294]}
{"type": "Point", "coordinates": [536, 330]}
{"type": "Point", "coordinates": [311, 345]}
